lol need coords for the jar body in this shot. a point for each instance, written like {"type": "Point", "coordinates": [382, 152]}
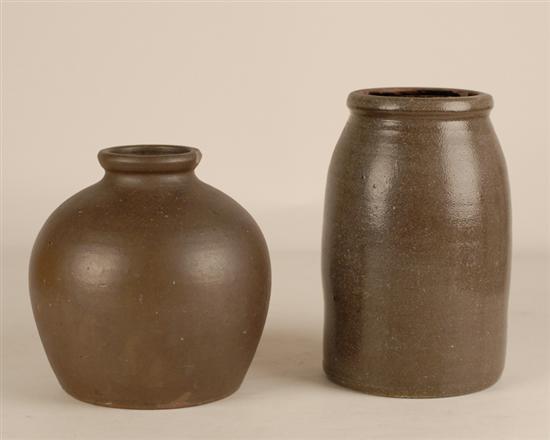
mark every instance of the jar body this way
{"type": "Point", "coordinates": [150, 291]}
{"type": "Point", "coordinates": [416, 254]}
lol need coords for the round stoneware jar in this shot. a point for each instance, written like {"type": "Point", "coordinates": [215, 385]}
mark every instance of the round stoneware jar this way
{"type": "Point", "coordinates": [150, 288]}
{"type": "Point", "coordinates": [416, 245]}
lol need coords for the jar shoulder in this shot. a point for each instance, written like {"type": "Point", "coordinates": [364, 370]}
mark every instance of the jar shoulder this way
{"type": "Point", "coordinates": [138, 223]}
{"type": "Point", "coordinates": [442, 156]}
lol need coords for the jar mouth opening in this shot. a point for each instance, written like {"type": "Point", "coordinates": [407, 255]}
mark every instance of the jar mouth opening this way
{"type": "Point", "coordinates": [423, 93]}
{"type": "Point", "coordinates": [419, 99]}
{"type": "Point", "coordinates": [149, 158]}
{"type": "Point", "coordinates": [149, 150]}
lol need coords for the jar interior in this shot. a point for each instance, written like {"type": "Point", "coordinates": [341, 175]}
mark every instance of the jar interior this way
{"type": "Point", "coordinates": [423, 93]}
{"type": "Point", "coordinates": [151, 150]}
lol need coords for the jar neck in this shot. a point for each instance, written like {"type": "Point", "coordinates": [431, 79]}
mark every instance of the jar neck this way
{"type": "Point", "coordinates": [149, 180]}
{"type": "Point", "coordinates": [149, 166]}
{"type": "Point", "coordinates": [411, 117]}
{"type": "Point", "coordinates": [149, 159]}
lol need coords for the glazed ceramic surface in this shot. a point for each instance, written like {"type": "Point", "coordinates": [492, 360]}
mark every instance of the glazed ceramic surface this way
{"type": "Point", "coordinates": [150, 288]}
{"type": "Point", "coordinates": [416, 245]}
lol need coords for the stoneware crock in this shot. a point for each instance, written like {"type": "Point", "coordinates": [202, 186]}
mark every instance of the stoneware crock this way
{"type": "Point", "coordinates": [150, 288]}
{"type": "Point", "coordinates": [416, 245]}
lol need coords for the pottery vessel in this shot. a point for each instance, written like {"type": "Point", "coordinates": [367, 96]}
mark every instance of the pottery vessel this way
{"type": "Point", "coordinates": [150, 288]}
{"type": "Point", "coordinates": [416, 245]}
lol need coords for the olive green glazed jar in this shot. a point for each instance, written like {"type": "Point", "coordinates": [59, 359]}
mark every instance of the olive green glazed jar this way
{"type": "Point", "coordinates": [416, 245]}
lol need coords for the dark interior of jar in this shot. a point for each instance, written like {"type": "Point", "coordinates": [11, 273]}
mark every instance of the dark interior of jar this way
{"type": "Point", "coordinates": [151, 150]}
{"type": "Point", "coordinates": [423, 93]}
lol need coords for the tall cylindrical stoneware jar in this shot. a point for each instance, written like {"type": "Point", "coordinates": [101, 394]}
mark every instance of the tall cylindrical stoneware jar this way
{"type": "Point", "coordinates": [150, 288]}
{"type": "Point", "coordinates": [416, 245]}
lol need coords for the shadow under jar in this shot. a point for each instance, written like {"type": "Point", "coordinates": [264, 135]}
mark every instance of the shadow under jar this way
{"type": "Point", "coordinates": [150, 288]}
{"type": "Point", "coordinates": [416, 245]}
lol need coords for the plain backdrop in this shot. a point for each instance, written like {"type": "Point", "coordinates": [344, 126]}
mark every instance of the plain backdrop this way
{"type": "Point", "coordinates": [260, 88]}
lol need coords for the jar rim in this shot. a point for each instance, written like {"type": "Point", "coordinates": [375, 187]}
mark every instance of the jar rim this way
{"type": "Point", "coordinates": [419, 99]}
{"type": "Point", "coordinates": [149, 158]}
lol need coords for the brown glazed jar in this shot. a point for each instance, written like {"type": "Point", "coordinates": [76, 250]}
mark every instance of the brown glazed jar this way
{"type": "Point", "coordinates": [150, 288]}
{"type": "Point", "coordinates": [416, 245]}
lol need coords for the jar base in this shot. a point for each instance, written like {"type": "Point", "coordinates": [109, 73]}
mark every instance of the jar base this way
{"type": "Point", "coordinates": [179, 403]}
{"type": "Point", "coordinates": [409, 394]}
